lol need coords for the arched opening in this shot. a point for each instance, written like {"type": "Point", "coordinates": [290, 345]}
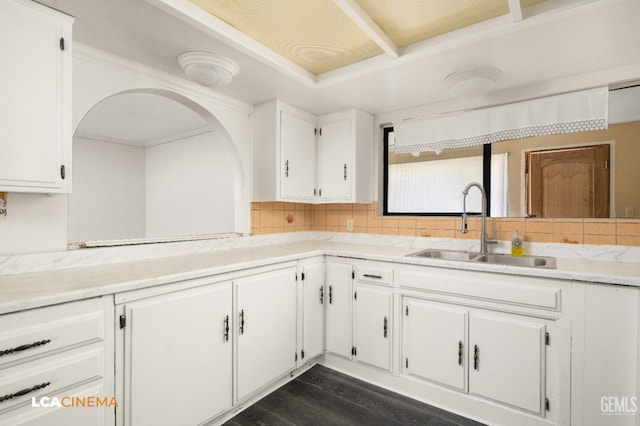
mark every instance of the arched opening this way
{"type": "Point", "coordinates": [152, 164]}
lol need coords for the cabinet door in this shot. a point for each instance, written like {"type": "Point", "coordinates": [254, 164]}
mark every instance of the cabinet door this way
{"type": "Point", "coordinates": [338, 309]}
{"type": "Point", "coordinates": [297, 157]}
{"type": "Point", "coordinates": [313, 310]}
{"type": "Point", "coordinates": [433, 343]}
{"type": "Point", "coordinates": [178, 365]}
{"type": "Point", "coordinates": [335, 166]}
{"type": "Point", "coordinates": [372, 326]}
{"type": "Point", "coordinates": [266, 312]}
{"type": "Point", "coordinates": [507, 360]}
{"type": "Point", "coordinates": [35, 102]}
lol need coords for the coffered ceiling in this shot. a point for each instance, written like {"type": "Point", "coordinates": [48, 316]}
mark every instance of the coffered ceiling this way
{"type": "Point", "coordinates": [542, 47]}
{"type": "Point", "coordinates": [323, 35]}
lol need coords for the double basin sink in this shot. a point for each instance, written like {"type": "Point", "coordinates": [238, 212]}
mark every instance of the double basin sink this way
{"type": "Point", "coordinates": [489, 258]}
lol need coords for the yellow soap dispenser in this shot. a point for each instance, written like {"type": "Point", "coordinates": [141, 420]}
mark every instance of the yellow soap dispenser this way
{"type": "Point", "coordinates": [516, 245]}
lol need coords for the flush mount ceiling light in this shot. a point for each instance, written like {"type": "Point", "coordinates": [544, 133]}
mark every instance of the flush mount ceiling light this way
{"type": "Point", "coordinates": [472, 82]}
{"type": "Point", "coordinates": [208, 69]}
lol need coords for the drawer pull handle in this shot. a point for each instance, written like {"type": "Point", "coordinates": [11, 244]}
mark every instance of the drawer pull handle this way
{"type": "Point", "coordinates": [385, 327]}
{"type": "Point", "coordinates": [330, 295]}
{"type": "Point", "coordinates": [460, 352]}
{"type": "Point", "coordinates": [25, 347]}
{"type": "Point", "coordinates": [378, 277]}
{"type": "Point", "coordinates": [24, 392]}
{"type": "Point", "coordinates": [322, 295]}
{"type": "Point", "coordinates": [242, 321]}
{"type": "Point", "coordinates": [226, 328]}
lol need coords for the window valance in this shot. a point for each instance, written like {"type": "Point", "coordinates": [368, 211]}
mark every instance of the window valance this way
{"type": "Point", "coordinates": [568, 113]}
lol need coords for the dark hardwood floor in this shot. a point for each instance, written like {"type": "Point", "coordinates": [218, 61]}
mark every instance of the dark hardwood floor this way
{"type": "Point", "coordinates": [322, 396]}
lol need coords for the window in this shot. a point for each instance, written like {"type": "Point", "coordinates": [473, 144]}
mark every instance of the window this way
{"type": "Point", "coordinates": [432, 185]}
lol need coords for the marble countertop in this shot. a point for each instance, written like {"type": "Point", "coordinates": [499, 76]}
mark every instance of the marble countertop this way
{"type": "Point", "coordinates": [91, 274]}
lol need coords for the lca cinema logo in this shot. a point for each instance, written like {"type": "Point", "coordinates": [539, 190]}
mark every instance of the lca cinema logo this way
{"type": "Point", "coordinates": [619, 405]}
{"type": "Point", "coordinates": [74, 402]}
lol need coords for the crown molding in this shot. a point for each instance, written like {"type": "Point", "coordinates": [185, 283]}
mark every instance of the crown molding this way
{"type": "Point", "coordinates": [146, 144]}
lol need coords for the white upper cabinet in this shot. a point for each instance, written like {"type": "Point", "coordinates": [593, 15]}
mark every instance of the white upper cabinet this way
{"type": "Point", "coordinates": [345, 157]}
{"type": "Point", "coordinates": [35, 106]}
{"type": "Point", "coordinates": [303, 158]}
{"type": "Point", "coordinates": [284, 153]}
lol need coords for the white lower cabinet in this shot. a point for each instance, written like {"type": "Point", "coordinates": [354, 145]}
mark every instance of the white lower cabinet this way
{"type": "Point", "coordinates": [313, 316]}
{"type": "Point", "coordinates": [434, 337]}
{"type": "Point", "coordinates": [507, 360]}
{"type": "Point", "coordinates": [266, 329]}
{"type": "Point", "coordinates": [178, 356]}
{"type": "Point", "coordinates": [54, 359]}
{"type": "Point", "coordinates": [493, 355]}
{"type": "Point", "coordinates": [338, 309]}
{"type": "Point", "coordinates": [372, 325]}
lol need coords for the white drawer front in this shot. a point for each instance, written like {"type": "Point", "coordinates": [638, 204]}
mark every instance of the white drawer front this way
{"type": "Point", "coordinates": [39, 331]}
{"type": "Point", "coordinates": [374, 275]}
{"type": "Point", "coordinates": [525, 291]}
{"type": "Point", "coordinates": [46, 376]}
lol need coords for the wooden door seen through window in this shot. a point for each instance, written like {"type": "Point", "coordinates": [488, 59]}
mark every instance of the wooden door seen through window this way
{"type": "Point", "coordinates": [568, 182]}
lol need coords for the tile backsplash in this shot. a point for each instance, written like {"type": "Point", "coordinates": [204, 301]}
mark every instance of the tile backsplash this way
{"type": "Point", "coordinates": [276, 217]}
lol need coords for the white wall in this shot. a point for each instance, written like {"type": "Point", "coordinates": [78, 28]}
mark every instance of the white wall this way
{"type": "Point", "coordinates": [190, 187]}
{"type": "Point", "coordinates": [38, 222]}
{"type": "Point", "coordinates": [34, 223]}
{"type": "Point", "coordinates": [108, 200]}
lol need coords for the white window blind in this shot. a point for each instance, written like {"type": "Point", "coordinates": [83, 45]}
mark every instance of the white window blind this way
{"type": "Point", "coordinates": [436, 186]}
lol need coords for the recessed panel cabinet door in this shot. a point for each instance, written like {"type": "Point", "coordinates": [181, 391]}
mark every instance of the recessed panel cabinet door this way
{"type": "Point", "coordinates": [507, 360]}
{"type": "Point", "coordinates": [338, 309]}
{"type": "Point", "coordinates": [335, 165]}
{"type": "Point", "coordinates": [178, 365]}
{"type": "Point", "coordinates": [434, 342]}
{"type": "Point", "coordinates": [297, 157]}
{"type": "Point", "coordinates": [372, 326]}
{"type": "Point", "coordinates": [266, 326]}
{"type": "Point", "coordinates": [313, 310]}
{"type": "Point", "coordinates": [35, 86]}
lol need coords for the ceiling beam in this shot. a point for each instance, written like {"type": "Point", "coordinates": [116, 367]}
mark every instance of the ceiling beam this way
{"type": "Point", "coordinates": [516, 10]}
{"type": "Point", "coordinates": [364, 21]}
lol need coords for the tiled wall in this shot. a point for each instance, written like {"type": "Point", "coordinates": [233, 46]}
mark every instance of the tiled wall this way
{"type": "Point", "coordinates": [268, 218]}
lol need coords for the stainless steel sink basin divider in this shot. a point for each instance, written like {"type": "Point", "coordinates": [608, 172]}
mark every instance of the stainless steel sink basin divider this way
{"type": "Point", "coordinates": [489, 258]}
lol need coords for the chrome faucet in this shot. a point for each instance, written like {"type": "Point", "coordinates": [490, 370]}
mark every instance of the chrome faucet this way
{"type": "Point", "coordinates": [483, 237]}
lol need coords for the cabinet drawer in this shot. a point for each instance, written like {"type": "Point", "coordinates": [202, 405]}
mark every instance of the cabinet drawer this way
{"type": "Point", "coordinates": [45, 376]}
{"type": "Point", "coordinates": [375, 274]}
{"type": "Point", "coordinates": [38, 331]}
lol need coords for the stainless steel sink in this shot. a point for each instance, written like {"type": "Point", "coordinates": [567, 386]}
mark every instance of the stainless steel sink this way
{"type": "Point", "coordinates": [529, 261]}
{"type": "Point", "coordinates": [492, 258]}
{"type": "Point", "coordinates": [445, 254]}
